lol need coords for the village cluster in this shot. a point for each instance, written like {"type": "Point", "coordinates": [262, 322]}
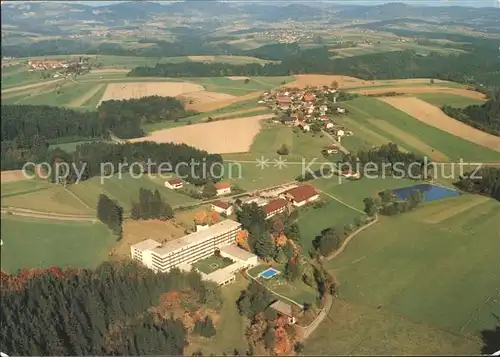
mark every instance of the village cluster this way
{"type": "Point", "coordinates": [310, 110]}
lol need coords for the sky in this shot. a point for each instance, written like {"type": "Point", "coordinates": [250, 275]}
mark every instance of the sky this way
{"type": "Point", "coordinates": [474, 3]}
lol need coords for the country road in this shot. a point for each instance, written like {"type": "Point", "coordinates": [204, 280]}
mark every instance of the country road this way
{"type": "Point", "coordinates": [336, 142]}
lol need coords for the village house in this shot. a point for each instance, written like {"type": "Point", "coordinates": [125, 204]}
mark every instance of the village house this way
{"type": "Point", "coordinates": [275, 207]}
{"type": "Point", "coordinates": [223, 189]}
{"type": "Point", "coordinates": [338, 132]}
{"type": "Point", "coordinates": [222, 207]}
{"type": "Point", "coordinates": [341, 110]}
{"type": "Point", "coordinates": [330, 150]}
{"type": "Point", "coordinates": [308, 97]}
{"type": "Point", "coordinates": [323, 109]}
{"type": "Point", "coordinates": [174, 184]}
{"type": "Point", "coordinates": [284, 102]}
{"type": "Point", "coordinates": [284, 309]}
{"type": "Point", "coordinates": [301, 195]}
{"type": "Point", "coordinates": [329, 125]}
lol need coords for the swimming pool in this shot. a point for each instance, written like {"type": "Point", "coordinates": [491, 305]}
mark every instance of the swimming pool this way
{"type": "Point", "coordinates": [431, 192]}
{"type": "Point", "coordinates": [269, 273]}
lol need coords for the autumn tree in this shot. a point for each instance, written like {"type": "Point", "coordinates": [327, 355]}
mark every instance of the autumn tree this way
{"type": "Point", "coordinates": [242, 239]}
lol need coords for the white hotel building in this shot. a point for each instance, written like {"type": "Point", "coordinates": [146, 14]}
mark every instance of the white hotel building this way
{"type": "Point", "coordinates": [185, 250]}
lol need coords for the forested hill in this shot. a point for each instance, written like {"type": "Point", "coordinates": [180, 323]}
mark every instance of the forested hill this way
{"type": "Point", "coordinates": [106, 311]}
{"type": "Point", "coordinates": [463, 68]}
{"type": "Point", "coordinates": [484, 117]}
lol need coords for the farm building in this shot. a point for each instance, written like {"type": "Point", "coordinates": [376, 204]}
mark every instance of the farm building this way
{"type": "Point", "coordinates": [308, 97]}
{"type": "Point", "coordinates": [174, 184]}
{"type": "Point", "coordinates": [301, 195]}
{"type": "Point", "coordinates": [330, 150]}
{"type": "Point", "coordinates": [283, 309]}
{"type": "Point", "coordinates": [275, 207]}
{"type": "Point", "coordinates": [284, 102]}
{"type": "Point", "coordinates": [222, 207]}
{"type": "Point", "coordinates": [223, 189]}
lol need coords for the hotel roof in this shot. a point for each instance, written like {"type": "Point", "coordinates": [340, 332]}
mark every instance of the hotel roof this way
{"type": "Point", "coordinates": [146, 244]}
{"type": "Point", "coordinates": [237, 252]}
{"type": "Point", "coordinates": [197, 237]}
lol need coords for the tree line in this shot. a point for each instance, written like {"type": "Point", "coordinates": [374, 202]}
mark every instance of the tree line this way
{"type": "Point", "coordinates": [110, 213]}
{"type": "Point", "coordinates": [151, 206]}
{"type": "Point", "coordinates": [388, 204]}
{"type": "Point", "coordinates": [485, 182]}
{"type": "Point", "coordinates": [485, 117]}
{"type": "Point", "coordinates": [95, 312]}
{"type": "Point", "coordinates": [462, 68]}
{"type": "Point", "coordinates": [28, 130]}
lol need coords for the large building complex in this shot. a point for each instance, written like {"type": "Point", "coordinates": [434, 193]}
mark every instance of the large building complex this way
{"type": "Point", "coordinates": [185, 250]}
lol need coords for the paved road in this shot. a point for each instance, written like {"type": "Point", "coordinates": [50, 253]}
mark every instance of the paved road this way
{"type": "Point", "coordinates": [336, 142]}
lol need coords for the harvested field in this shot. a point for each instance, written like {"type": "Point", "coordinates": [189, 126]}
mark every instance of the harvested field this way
{"type": "Point", "coordinates": [12, 176]}
{"type": "Point", "coordinates": [131, 90]}
{"type": "Point", "coordinates": [80, 101]}
{"type": "Point", "coordinates": [412, 141]}
{"type": "Point", "coordinates": [238, 78]}
{"type": "Point", "coordinates": [203, 97]}
{"type": "Point", "coordinates": [228, 136]}
{"type": "Point", "coordinates": [208, 107]}
{"type": "Point", "coordinates": [136, 231]}
{"type": "Point", "coordinates": [431, 115]}
{"type": "Point", "coordinates": [201, 58]}
{"type": "Point", "coordinates": [419, 90]}
{"type": "Point", "coordinates": [303, 80]}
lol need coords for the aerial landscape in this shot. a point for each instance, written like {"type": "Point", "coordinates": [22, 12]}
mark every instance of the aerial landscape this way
{"type": "Point", "coordinates": [250, 178]}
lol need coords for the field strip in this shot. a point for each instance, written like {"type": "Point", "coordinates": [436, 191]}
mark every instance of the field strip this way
{"type": "Point", "coordinates": [438, 217]}
{"type": "Point", "coordinates": [433, 116]}
{"type": "Point", "coordinates": [412, 141]}
{"type": "Point", "coordinates": [342, 202]}
{"type": "Point", "coordinates": [29, 86]}
{"type": "Point", "coordinates": [418, 90]}
{"type": "Point", "coordinates": [208, 107]}
{"type": "Point", "coordinates": [223, 137]}
{"type": "Point", "coordinates": [79, 199]}
{"type": "Point", "coordinates": [80, 101]}
{"type": "Point", "coordinates": [238, 112]}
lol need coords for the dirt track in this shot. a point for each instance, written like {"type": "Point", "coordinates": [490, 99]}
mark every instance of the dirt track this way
{"type": "Point", "coordinates": [225, 136]}
{"type": "Point", "coordinates": [431, 115]}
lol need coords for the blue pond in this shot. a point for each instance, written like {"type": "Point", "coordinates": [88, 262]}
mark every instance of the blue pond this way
{"type": "Point", "coordinates": [269, 273]}
{"type": "Point", "coordinates": [431, 192]}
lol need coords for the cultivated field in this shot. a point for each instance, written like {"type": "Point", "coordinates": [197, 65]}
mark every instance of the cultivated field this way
{"type": "Point", "coordinates": [434, 116]}
{"type": "Point", "coordinates": [397, 277]}
{"type": "Point", "coordinates": [12, 176]}
{"type": "Point", "coordinates": [453, 100]}
{"type": "Point", "coordinates": [36, 243]}
{"type": "Point", "coordinates": [135, 90]}
{"type": "Point", "coordinates": [228, 136]}
{"type": "Point", "coordinates": [201, 58]}
{"type": "Point", "coordinates": [422, 89]}
{"type": "Point", "coordinates": [197, 99]}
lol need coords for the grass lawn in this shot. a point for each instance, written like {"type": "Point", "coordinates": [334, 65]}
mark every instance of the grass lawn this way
{"type": "Point", "coordinates": [354, 192]}
{"type": "Point", "coordinates": [364, 109]}
{"type": "Point", "coordinates": [230, 328]}
{"type": "Point", "coordinates": [55, 199]}
{"type": "Point", "coordinates": [298, 291]}
{"type": "Point", "coordinates": [71, 146]}
{"type": "Point", "coordinates": [23, 187]}
{"type": "Point", "coordinates": [125, 190]}
{"type": "Point", "coordinates": [453, 100]}
{"type": "Point", "coordinates": [303, 148]}
{"type": "Point", "coordinates": [66, 95]}
{"type": "Point", "coordinates": [313, 220]}
{"type": "Point", "coordinates": [355, 329]}
{"type": "Point", "coordinates": [33, 243]}
{"type": "Point", "coordinates": [436, 267]}
{"type": "Point", "coordinates": [212, 263]}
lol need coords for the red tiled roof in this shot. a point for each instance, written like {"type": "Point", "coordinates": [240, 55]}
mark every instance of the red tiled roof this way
{"type": "Point", "coordinates": [284, 100]}
{"type": "Point", "coordinates": [274, 205]}
{"type": "Point", "coordinates": [302, 193]}
{"type": "Point", "coordinates": [221, 186]}
{"type": "Point", "coordinates": [220, 204]}
{"type": "Point", "coordinates": [309, 96]}
{"type": "Point", "coordinates": [174, 181]}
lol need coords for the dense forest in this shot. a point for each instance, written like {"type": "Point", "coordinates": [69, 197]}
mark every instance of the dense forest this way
{"type": "Point", "coordinates": [462, 68]}
{"type": "Point", "coordinates": [386, 160]}
{"type": "Point", "coordinates": [151, 206]}
{"type": "Point", "coordinates": [106, 311]}
{"type": "Point", "coordinates": [110, 213]}
{"type": "Point", "coordinates": [484, 117]}
{"type": "Point", "coordinates": [485, 182]}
